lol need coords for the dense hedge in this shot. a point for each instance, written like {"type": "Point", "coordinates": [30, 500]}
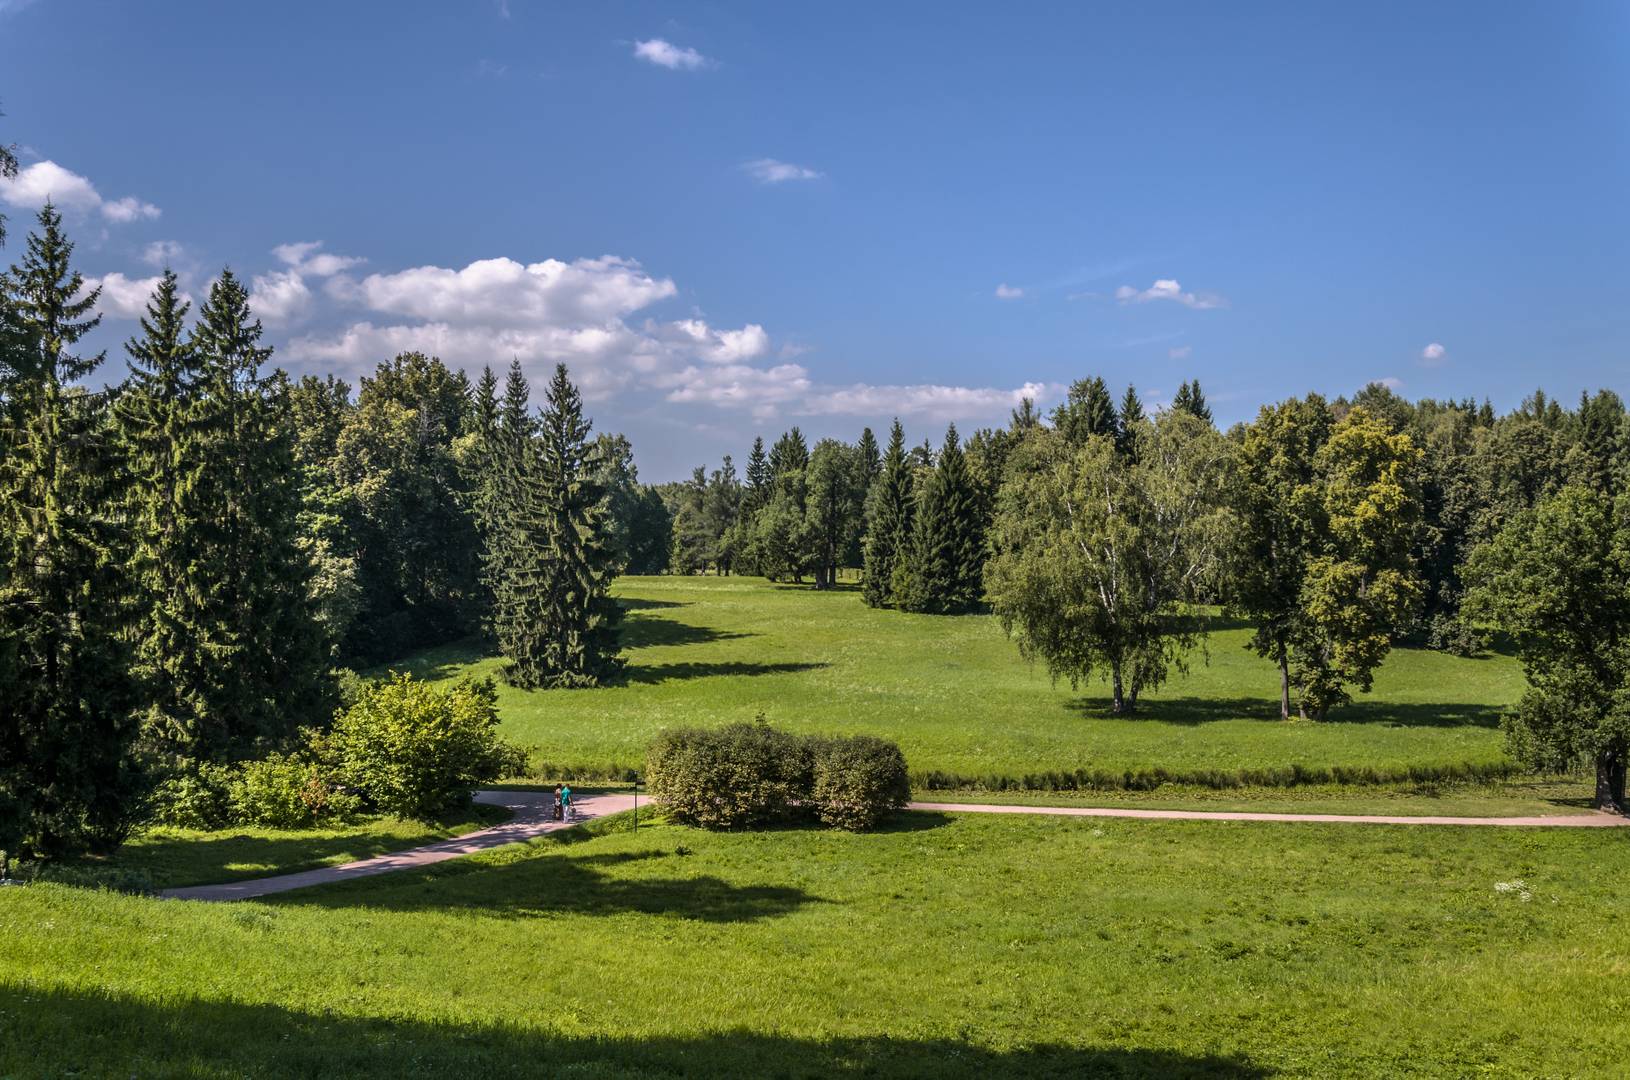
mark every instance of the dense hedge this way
{"type": "Point", "coordinates": [1222, 779]}
{"type": "Point", "coordinates": [751, 775]}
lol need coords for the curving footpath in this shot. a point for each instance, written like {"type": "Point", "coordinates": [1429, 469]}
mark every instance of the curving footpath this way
{"type": "Point", "coordinates": [532, 818]}
{"type": "Point", "coordinates": [531, 810]}
{"type": "Point", "coordinates": [1596, 820]}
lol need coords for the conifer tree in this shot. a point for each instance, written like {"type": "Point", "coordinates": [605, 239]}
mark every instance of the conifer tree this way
{"type": "Point", "coordinates": [166, 447]}
{"type": "Point", "coordinates": [562, 625]}
{"type": "Point", "coordinates": [508, 469]}
{"type": "Point", "coordinates": [1088, 410]}
{"type": "Point", "coordinates": [481, 473]}
{"type": "Point", "coordinates": [67, 728]}
{"type": "Point", "coordinates": [1192, 400]}
{"type": "Point", "coordinates": [265, 656]}
{"type": "Point", "coordinates": [888, 523]}
{"type": "Point", "coordinates": [1131, 417]}
{"type": "Point", "coordinates": [759, 479]}
{"type": "Point", "coordinates": [948, 551]}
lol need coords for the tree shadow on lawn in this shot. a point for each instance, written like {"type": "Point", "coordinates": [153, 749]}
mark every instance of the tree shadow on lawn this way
{"type": "Point", "coordinates": [93, 1032]}
{"type": "Point", "coordinates": [650, 674]}
{"type": "Point", "coordinates": [1193, 711]}
{"type": "Point", "coordinates": [640, 631]}
{"type": "Point", "coordinates": [560, 883]}
{"type": "Point", "coordinates": [630, 603]}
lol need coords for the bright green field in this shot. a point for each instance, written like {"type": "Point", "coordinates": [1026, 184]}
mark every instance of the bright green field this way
{"type": "Point", "coordinates": [956, 696]}
{"type": "Point", "coordinates": [953, 946]}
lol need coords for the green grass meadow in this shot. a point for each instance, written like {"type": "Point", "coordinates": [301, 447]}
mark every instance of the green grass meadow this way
{"type": "Point", "coordinates": [948, 946]}
{"type": "Point", "coordinates": [955, 694]}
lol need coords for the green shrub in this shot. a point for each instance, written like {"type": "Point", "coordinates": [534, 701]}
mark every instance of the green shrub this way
{"type": "Point", "coordinates": [746, 775]}
{"type": "Point", "coordinates": [199, 798]}
{"type": "Point", "coordinates": [415, 749]}
{"type": "Point", "coordinates": [732, 777]}
{"type": "Point", "coordinates": [279, 792]}
{"type": "Point", "coordinates": [857, 781]}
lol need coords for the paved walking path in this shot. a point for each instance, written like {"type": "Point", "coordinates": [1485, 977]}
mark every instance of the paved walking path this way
{"type": "Point", "coordinates": [532, 810]}
{"type": "Point", "coordinates": [1551, 821]}
{"type": "Point", "coordinates": [532, 818]}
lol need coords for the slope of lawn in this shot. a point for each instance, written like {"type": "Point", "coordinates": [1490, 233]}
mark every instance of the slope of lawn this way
{"type": "Point", "coordinates": [951, 945]}
{"type": "Point", "coordinates": [955, 694]}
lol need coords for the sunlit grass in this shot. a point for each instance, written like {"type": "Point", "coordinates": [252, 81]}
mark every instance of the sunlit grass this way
{"type": "Point", "coordinates": [954, 945]}
{"type": "Point", "coordinates": [955, 694]}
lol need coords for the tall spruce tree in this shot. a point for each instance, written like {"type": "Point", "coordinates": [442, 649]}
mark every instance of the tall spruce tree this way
{"type": "Point", "coordinates": [167, 447]}
{"type": "Point", "coordinates": [267, 660]}
{"type": "Point", "coordinates": [1129, 423]}
{"type": "Point", "coordinates": [564, 628]}
{"type": "Point", "coordinates": [508, 469]}
{"type": "Point", "coordinates": [756, 492]}
{"type": "Point", "coordinates": [1192, 400]}
{"type": "Point", "coordinates": [1088, 410]}
{"type": "Point", "coordinates": [948, 549]}
{"type": "Point", "coordinates": [68, 779]}
{"type": "Point", "coordinates": [888, 523]}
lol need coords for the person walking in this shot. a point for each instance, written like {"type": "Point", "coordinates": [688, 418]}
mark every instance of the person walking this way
{"type": "Point", "coordinates": [560, 806]}
{"type": "Point", "coordinates": [566, 802]}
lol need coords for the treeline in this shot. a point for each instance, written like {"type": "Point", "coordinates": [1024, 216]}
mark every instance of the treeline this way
{"type": "Point", "coordinates": [190, 555]}
{"type": "Point", "coordinates": [1103, 537]}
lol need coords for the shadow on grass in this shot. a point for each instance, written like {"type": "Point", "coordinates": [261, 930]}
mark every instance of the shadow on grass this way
{"type": "Point", "coordinates": [661, 673]}
{"type": "Point", "coordinates": [441, 662]}
{"type": "Point", "coordinates": [87, 1032]}
{"type": "Point", "coordinates": [641, 630]}
{"type": "Point", "coordinates": [641, 604]}
{"type": "Point", "coordinates": [1192, 711]}
{"type": "Point", "coordinates": [215, 858]}
{"type": "Point", "coordinates": [561, 882]}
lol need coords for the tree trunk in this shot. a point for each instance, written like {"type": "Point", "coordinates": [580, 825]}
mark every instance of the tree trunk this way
{"type": "Point", "coordinates": [1284, 686]}
{"type": "Point", "coordinates": [1610, 770]}
{"type": "Point", "coordinates": [1119, 705]}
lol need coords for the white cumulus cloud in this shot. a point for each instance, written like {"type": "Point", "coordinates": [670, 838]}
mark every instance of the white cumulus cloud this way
{"type": "Point", "coordinates": [667, 55]}
{"type": "Point", "coordinates": [46, 181]}
{"type": "Point", "coordinates": [1004, 291]}
{"type": "Point", "coordinates": [123, 297]}
{"type": "Point", "coordinates": [1169, 289]}
{"type": "Point", "coordinates": [1433, 354]}
{"type": "Point", "coordinates": [771, 171]}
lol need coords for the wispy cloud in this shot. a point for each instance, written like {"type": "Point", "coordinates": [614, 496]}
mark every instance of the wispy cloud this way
{"type": "Point", "coordinates": [668, 55]}
{"type": "Point", "coordinates": [1169, 289]}
{"type": "Point", "coordinates": [1180, 352]}
{"type": "Point", "coordinates": [771, 171]}
{"type": "Point", "coordinates": [1004, 291]}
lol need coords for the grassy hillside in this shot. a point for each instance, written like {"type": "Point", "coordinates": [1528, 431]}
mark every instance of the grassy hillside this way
{"type": "Point", "coordinates": [950, 946]}
{"type": "Point", "coordinates": [956, 695]}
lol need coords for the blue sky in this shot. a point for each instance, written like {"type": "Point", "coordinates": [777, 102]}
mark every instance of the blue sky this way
{"type": "Point", "coordinates": [729, 218]}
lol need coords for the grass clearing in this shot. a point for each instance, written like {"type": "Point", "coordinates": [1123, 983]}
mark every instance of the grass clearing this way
{"type": "Point", "coordinates": [951, 945]}
{"type": "Point", "coordinates": [956, 696]}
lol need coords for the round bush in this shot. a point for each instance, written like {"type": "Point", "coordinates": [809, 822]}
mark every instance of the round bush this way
{"type": "Point", "coordinates": [733, 777]}
{"type": "Point", "coordinates": [414, 749]}
{"type": "Point", "coordinates": [857, 781]}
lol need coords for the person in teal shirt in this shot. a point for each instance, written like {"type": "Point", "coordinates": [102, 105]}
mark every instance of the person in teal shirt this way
{"type": "Point", "coordinates": [566, 803]}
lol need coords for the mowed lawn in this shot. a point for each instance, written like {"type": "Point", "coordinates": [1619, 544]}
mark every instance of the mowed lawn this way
{"type": "Point", "coordinates": [948, 946]}
{"type": "Point", "coordinates": [955, 694]}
